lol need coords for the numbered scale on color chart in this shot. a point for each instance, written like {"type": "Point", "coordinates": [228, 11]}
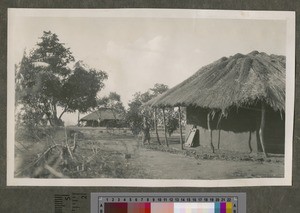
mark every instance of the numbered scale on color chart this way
{"type": "Point", "coordinates": [168, 203]}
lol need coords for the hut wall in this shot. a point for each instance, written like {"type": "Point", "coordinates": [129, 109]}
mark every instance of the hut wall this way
{"type": "Point", "coordinates": [109, 123]}
{"type": "Point", "coordinates": [274, 132]}
{"type": "Point", "coordinates": [238, 120]}
{"type": "Point", "coordinates": [92, 123]}
{"type": "Point", "coordinates": [235, 129]}
{"type": "Point", "coordinates": [229, 140]}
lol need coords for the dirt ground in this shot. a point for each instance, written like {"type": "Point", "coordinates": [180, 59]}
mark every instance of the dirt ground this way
{"type": "Point", "coordinates": [118, 154]}
{"type": "Point", "coordinates": [170, 166]}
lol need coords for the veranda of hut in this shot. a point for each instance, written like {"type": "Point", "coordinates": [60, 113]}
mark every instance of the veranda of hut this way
{"type": "Point", "coordinates": [237, 103]}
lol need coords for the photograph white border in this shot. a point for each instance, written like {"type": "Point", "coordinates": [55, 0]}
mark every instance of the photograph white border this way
{"type": "Point", "coordinates": [288, 16]}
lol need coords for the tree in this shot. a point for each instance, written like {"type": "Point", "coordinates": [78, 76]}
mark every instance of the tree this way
{"type": "Point", "coordinates": [141, 118]}
{"type": "Point", "coordinates": [172, 121]}
{"type": "Point", "coordinates": [134, 114]}
{"type": "Point", "coordinates": [113, 102]}
{"type": "Point", "coordinates": [44, 82]}
{"type": "Point", "coordinates": [79, 92]}
{"type": "Point", "coordinates": [158, 89]}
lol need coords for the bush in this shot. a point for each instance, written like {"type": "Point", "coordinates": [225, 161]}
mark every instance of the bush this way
{"type": "Point", "coordinates": [32, 126]}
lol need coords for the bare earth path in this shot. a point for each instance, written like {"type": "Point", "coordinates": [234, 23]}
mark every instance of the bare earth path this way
{"type": "Point", "coordinates": [154, 164]}
{"type": "Point", "coordinates": [165, 165]}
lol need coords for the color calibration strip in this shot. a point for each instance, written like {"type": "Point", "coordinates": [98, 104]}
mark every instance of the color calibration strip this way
{"type": "Point", "coordinates": [216, 207]}
{"type": "Point", "coordinates": [168, 202]}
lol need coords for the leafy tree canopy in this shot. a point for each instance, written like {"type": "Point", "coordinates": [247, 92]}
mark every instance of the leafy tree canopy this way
{"type": "Point", "coordinates": [45, 81]}
{"type": "Point", "coordinates": [112, 101]}
{"type": "Point", "coordinates": [136, 113]}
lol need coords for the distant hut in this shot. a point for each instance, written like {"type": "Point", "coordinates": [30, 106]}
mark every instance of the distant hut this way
{"type": "Point", "coordinates": [103, 117]}
{"type": "Point", "coordinates": [242, 97]}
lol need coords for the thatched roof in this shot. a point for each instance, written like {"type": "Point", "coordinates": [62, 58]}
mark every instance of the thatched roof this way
{"type": "Point", "coordinates": [102, 114]}
{"type": "Point", "coordinates": [238, 80]}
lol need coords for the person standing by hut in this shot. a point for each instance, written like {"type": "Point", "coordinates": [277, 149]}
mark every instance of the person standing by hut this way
{"type": "Point", "coordinates": [146, 130]}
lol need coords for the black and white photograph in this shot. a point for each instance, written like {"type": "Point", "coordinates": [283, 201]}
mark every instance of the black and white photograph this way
{"type": "Point", "coordinates": [150, 97]}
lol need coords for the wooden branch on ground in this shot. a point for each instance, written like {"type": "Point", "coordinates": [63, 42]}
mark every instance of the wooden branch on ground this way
{"type": "Point", "coordinates": [39, 170]}
{"type": "Point", "coordinates": [19, 148]}
{"type": "Point", "coordinates": [36, 161]}
{"type": "Point", "coordinates": [54, 143]}
{"type": "Point", "coordinates": [54, 172]}
{"type": "Point", "coordinates": [91, 158]}
{"type": "Point", "coordinates": [22, 145]}
{"type": "Point", "coordinates": [56, 163]}
{"type": "Point", "coordinates": [74, 143]}
{"type": "Point", "coordinates": [94, 147]}
{"type": "Point", "coordinates": [67, 146]}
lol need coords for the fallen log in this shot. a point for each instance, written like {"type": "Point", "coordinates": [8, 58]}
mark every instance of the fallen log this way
{"type": "Point", "coordinates": [36, 161]}
{"type": "Point", "coordinates": [54, 172]}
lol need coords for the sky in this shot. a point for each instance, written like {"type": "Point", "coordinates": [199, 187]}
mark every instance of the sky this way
{"type": "Point", "coordinates": [137, 52]}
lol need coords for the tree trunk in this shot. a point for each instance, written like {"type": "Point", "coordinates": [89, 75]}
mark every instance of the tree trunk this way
{"type": "Point", "coordinates": [262, 127]}
{"type": "Point", "coordinates": [165, 128]}
{"type": "Point", "coordinates": [155, 126]}
{"type": "Point", "coordinates": [210, 131]}
{"type": "Point", "coordinates": [63, 112]}
{"type": "Point", "coordinates": [52, 116]}
{"type": "Point", "coordinates": [180, 128]}
{"type": "Point", "coordinates": [49, 119]}
{"type": "Point", "coordinates": [54, 111]}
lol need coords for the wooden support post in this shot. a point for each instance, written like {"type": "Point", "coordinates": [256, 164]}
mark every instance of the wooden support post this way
{"type": "Point", "coordinates": [155, 126]}
{"type": "Point", "coordinates": [259, 149]}
{"type": "Point", "coordinates": [249, 142]}
{"type": "Point", "coordinates": [78, 119]}
{"type": "Point", "coordinates": [262, 127]}
{"type": "Point", "coordinates": [165, 128]}
{"type": "Point", "coordinates": [219, 138]}
{"type": "Point", "coordinates": [180, 128]}
{"type": "Point", "coordinates": [209, 128]}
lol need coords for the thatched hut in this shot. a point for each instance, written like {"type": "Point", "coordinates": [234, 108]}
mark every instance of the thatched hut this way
{"type": "Point", "coordinates": [102, 117]}
{"type": "Point", "coordinates": [242, 96]}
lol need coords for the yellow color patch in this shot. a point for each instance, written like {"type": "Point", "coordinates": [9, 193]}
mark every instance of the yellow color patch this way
{"type": "Point", "coordinates": [228, 207]}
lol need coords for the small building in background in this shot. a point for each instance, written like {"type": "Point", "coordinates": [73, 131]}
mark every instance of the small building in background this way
{"type": "Point", "coordinates": [103, 117]}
